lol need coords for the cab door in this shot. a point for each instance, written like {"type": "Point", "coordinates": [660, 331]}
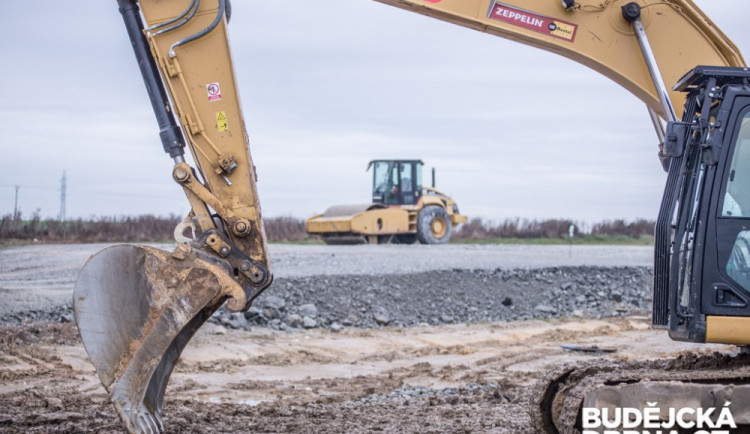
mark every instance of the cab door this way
{"type": "Point", "coordinates": [410, 182]}
{"type": "Point", "coordinates": [385, 186]}
{"type": "Point", "coordinates": [726, 270]}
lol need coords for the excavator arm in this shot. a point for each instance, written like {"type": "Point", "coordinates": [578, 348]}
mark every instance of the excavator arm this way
{"type": "Point", "coordinates": [138, 306]}
{"type": "Point", "coordinates": [195, 66]}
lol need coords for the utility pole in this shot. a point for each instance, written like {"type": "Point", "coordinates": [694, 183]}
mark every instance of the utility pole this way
{"type": "Point", "coordinates": [15, 207]}
{"type": "Point", "coordinates": [571, 234]}
{"type": "Point", "coordinates": [63, 187]}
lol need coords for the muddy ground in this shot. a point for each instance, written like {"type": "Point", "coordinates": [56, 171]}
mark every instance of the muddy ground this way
{"type": "Point", "coordinates": [455, 378]}
{"type": "Point", "coordinates": [459, 374]}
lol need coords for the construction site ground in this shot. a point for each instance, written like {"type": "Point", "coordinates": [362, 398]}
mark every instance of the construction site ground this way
{"type": "Point", "coordinates": [450, 374]}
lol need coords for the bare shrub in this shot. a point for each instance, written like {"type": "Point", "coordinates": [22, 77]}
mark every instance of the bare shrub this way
{"type": "Point", "coordinates": [123, 229]}
{"type": "Point", "coordinates": [285, 229]}
{"type": "Point", "coordinates": [95, 229]}
{"type": "Point", "coordinates": [477, 229]}
{"type": "Point", "coordinates": [633, 229]}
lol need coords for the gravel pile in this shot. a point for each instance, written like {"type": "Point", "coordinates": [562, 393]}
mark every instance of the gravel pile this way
{"type": "Point", "coordinates": [445, 297]}
{"type": "Point", "coordinates": [365, 286]}
{"type": "Point", "coordinates": [55, 314]}
{"type": "Point", "coordinates": [433, 298]}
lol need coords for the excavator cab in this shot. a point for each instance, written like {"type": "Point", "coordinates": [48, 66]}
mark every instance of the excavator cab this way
{"type": "Point", "coordinates": [396, 182]}
{"type": "Point", "coordinates": [703, 232]}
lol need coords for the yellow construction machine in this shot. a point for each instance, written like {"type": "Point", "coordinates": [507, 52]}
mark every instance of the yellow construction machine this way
{"type": "Point", "coordinates": [402, 210]}
{"type": "Point", "coordinates": [138, 306]}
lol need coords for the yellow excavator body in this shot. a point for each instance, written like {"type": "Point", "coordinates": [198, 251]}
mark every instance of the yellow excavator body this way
{"type": "Point", "coordinates": [137, 306]}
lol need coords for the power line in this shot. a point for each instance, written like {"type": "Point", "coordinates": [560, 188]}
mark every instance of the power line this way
{"type": "Point", "coordinates": [114, 195]}
{"type": "Point", "coordinates": [32, 187]}
{"type": "Point", "coordinates": [136, 193]}
{"type": "Point", "coordinates": [80, 193]}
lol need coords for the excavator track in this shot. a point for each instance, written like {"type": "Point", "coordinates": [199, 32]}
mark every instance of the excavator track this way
{"type": "Point", "coordinates": [689, 380]}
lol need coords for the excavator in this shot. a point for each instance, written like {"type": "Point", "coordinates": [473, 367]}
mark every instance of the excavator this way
{"type": "Point", "coordinates": [138, 306]}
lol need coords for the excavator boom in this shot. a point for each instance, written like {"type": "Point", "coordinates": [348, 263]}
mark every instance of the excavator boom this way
{"type": "Point", "coordinates": [595, 34]}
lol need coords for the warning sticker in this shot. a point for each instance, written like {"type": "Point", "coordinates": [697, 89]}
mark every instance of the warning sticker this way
{"type": "Point", "coordinates": [214, 91]}
{"type": "Point", "coordinates": [532, 21]}
{"type": "Point", "coordinates": [221, 121]}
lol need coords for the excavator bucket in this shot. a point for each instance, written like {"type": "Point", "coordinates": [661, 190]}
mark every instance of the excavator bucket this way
{"type": "Point", "coordinates": [136, 308]}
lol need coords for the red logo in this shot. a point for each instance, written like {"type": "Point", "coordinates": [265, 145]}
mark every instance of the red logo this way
{"type": "Point", "coordinates": [434, 1]}
{"type": "Point", "coordinates": [532, 21]}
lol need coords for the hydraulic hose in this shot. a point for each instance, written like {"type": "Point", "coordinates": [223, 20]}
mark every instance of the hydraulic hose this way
{"type": "Point", "coordinates": [202, 33]}
{"type": "Point", "coordinates": [192, 9]}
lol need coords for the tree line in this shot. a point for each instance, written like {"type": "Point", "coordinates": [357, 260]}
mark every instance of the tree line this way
{"type": "Point", "coordinates": [145, 228]}
{"type": "Point", "coordinates": [479, 229]}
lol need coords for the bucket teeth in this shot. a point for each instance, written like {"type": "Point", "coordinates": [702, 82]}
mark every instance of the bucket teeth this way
{"type": "Point", "coordinates": [136, 308]}
{"type": "Point", "coordinates": [149, 422]}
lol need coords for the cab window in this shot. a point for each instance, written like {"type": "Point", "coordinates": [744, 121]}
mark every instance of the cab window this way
{"type": "Point", "coordinates": [738, 266]}
{"type": "Point", "coordinates": [736, 200]}
{"type": "Point", "coordinates": [407, 183]}
{"type": "Point", "coordinates": [382, 172]}
{"type": "Point", "coordinates": [736, 207]}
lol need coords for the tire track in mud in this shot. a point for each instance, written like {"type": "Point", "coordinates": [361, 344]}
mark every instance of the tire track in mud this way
{"type": "Point", "coordinates": [457, 378]}
{"type": "Point", "coordinates": [42, 393]}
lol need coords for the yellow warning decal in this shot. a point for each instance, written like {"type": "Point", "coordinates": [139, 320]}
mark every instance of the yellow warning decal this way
{"type": "Point", "coordinates": [221, 121]}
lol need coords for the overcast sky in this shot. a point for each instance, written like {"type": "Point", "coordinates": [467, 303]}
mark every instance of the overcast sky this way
{"type": "Point", "coordinates": [327, 86]}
